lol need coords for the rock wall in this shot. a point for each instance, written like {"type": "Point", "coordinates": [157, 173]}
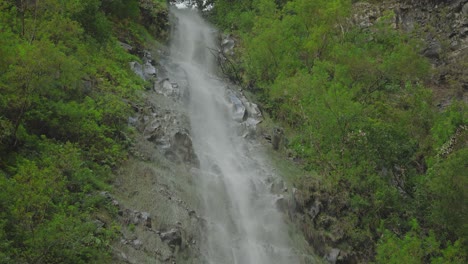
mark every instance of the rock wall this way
{"type": "Point", "coordinates": [442, 26]}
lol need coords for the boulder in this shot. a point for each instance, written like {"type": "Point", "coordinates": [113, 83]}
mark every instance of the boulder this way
{"type": "Point", "coordinates": [181, 146]}
{"type": "Point", "coordinates": [465, 9]}
{"type": "Point", "coordinates": [239, 112]}
{"type": "Point", "coordinates": [149, 71]}
{"type": "Point", "coordinates": [277, 138]}
{"type": "Point", "coordinates": [172, 237]}
{"type": "Point", "coordinates": [137, 68]}
{"type": "Point", "coordinates": [165, 87]}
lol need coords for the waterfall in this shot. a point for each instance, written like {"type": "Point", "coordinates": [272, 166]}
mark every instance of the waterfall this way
{"type": "Point", "coordinates": [242, 224]}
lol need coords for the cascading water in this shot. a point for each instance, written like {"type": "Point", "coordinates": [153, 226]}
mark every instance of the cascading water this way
{"type": "Point", "coordinates": [242, 223]}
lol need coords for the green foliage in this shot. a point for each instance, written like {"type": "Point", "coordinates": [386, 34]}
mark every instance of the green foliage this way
{"type": "Point", "coordinates": [360, 115]}
{"type": "Point", "coordinates": [446, 190]}
{"type": "Point", "coordinates": [417, 247]}
{"type": "Point", "coordinates": [122, 8]}
{"type": "Point", "coordinates": [234, 14]}
{"type": "Point", "coordinates": [64, 84]}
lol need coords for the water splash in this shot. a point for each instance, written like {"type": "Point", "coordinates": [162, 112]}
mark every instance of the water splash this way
{"type": "Point", "coordinates": [242, 223]}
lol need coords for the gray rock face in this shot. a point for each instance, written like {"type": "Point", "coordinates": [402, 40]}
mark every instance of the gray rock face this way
{"type": "Point", "coordinates": [147, 71]}
{"type": "Point", "coordinates": [137, 68]}
{"type": "Point", "coordinates": [155, 188]}
{"type": "Point", "coordinates": [247, 114]}
{"type": "Point", "coordinates": [238, 108]}
{"type": "Point", "coordinates": [443, 25]}
{"type": "Point", "coordinates": [433, 50]}
{"type": "Point", "coordinates": [181, 146]}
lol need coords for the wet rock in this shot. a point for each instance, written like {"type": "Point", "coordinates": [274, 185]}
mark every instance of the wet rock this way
{"type": "Point", "coordinates": [253, 111]}
{"type": "Point", "coordinates": [238, 109]}
{"type": "Point", "coordinates": [248, 128]}
{"type": "Point", "coordinates": [149, 71]}
{"type": "Point", "coordinates": [166, 88]}
{"type": "Point", "coordinates": [172, 237]}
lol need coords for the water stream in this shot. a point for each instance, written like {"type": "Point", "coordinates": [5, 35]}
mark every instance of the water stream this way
{"type": "Point", "coordinates": [242, 223]}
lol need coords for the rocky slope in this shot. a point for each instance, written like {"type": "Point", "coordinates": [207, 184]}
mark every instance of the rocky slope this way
{"type": "Point", "coordinates": [442, 27]}
{"type": "Point", "coordinates": [155, 190]}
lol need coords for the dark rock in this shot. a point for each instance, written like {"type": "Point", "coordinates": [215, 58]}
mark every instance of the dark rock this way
{"type": "Point", "coordinates": [278, 135]}
{"type": "Point", "coordinates": [433, 50]}
{"type": "Point", "coordinates": [315, 209]}
{"type": "Point", "coordinates": [172, 237]}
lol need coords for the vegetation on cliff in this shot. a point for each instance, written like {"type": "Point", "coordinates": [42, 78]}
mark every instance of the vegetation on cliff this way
{"type": "Point", "coordinates": [64, 82]}
{"type": "Point", "coordinates": [391, 167]}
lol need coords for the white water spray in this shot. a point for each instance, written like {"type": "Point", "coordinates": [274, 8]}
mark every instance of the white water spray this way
{"type": "Point", "coordinates": [242, 224]}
